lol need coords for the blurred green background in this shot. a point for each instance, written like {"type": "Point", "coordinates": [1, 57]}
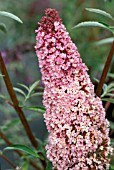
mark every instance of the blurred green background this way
{"type": "Point", "coordinates": [17, 47]}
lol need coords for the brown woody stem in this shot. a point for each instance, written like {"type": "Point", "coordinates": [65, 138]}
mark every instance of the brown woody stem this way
{"type": "Point", "coordinates": [16, 103]}
{"type": "Point", "coordinates": [18, 152]}
{"type": "Point", "coordinates": [7, 160]}
{"type": "Point", "coordinates": [105, 71]}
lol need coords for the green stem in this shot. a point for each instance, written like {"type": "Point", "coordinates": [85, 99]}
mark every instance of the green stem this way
{"type": "Point", "coordinates": [105, 71]}
{"type": "Point", "coordinates": [16, 103]}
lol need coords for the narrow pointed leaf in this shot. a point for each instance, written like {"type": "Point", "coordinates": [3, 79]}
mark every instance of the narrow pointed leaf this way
{"type": "Point", "coordinates": [35, 108]}
{"type": "Point", "coordinates": [110, 90]}
{"type": "Point", "coordinates": [111, 85]}
{"type": "Point", "coordinates": [111, 75]}
{"type": "Point", "coordinates": [10, 15]}
{"type": "Point", "coordinates": [1, 75]}
{"type": "Point", "coordinates": [3, 28]}
{"type": "Point", "coordinates": [19, 91]}
{"type": "Point", "coordinates": [110, 94]}
{"type": "Point", "coordinates": [25, 166]}
{"type": "Point", "coordinates": [23, 148]}
{"type": "Point", "coordinates": [111, 28]}
{"type": "Point", "coordinates": [2, 96]}
{"type": "Point", "coordinates": [111, 167]}
{"type": "Point", "coordinates": [111, 125]}
{"type": "Point", "coordinates": [92, 24]}
{"type": "Point", "coordinates": [10, 124]}
{"type": "Point", "coordinates": [111, 100]}
{"type": "Point", "coordinates": [22, 85]}
{"type": "Point", "coordinates": [34, 86]}
{"type": "Point", "coordinates": [37, 94]}
{"type": "Point", "coordinates": [97, 81]}
{"type": "Point", "coordinates": [105, 41]}
{"type": "Point", "coordinates": [49, 165]}
{"type": "Point", "coordinates": [101, 12]}
{"type": "Point", "coordinates": [105, 87]}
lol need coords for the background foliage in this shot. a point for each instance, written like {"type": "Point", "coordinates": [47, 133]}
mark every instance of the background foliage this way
{"type": "Point", "coordinates": [17, 48]}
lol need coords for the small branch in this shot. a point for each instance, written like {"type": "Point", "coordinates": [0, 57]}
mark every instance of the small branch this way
{"type": "Point", "coordinates": [18, 152]}
{"type": "Point", "coordinates": [16, 103]}
{"type": "Point", "coordinates": [5, 138]}
{"type": "Point", "coordinates": [7, 160]}
{"type": "Point", "coordinates": [105, 71]}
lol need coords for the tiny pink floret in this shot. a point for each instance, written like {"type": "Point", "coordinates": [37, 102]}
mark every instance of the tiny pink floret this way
{"type": "Point", "coordinates": [75, 118]}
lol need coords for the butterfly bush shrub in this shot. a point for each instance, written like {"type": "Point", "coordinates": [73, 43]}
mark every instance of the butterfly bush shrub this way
{"type": "Point", "coordinates": [75, 118]}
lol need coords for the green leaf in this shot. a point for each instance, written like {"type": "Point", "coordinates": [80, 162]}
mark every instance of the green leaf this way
{"type": "Point", "coordinates": [111, 167]}
{"type": "Point", "coordinates": [112, 141]}
{"type": "Point", "coordinates": [22, 85]}
{"type": "Point", "coordinates": [41, 88]}
{"type": "Point", "coordinates": [41, 148]}
{"type": "Point", "coordinates": [35, 108]}
{"type": "Point", "coordinates": [111, 85]}
{"type": "Point", "coordinates": [101, 12]}
{"type": "Point", "coordinates": [105, 87]}
{"type": "Point", "coordinates": [10, 124]}
{"type": "Point", "coordinates": [112, 28]}
{"type": "Point", "coordinates": [105, 41]}
{"type": "Point", "coordinates": [41, 155]}
{"type": "Point", "coordinates": [110, 94]}
{"type": "Point", "coordinates": [10, 15]}
{"type": "Point", "coordinates": [2, 96]}
{"type": "Point", "coordinates": [25, 166]}
{"type": "Point", "coordinates": [23, 148]}
{"type": "Point", "coordinates": [92, 24]}
{"type": "Point", "coordinates": [19, 91]}
{"type": "Point", "coordinates": [108, 100]}
{"type": "Point", "coordinates": [96, 80]}
{"type": "Point", "coordinates": [49, 165]}
{"type": "Point", "coordinates": [111, 75]}
{"type": "Point", "coordinates": [111, 125]}
{"type": "Point", "coordinates": [34, 86]}
{"type": "Point", "coordinates": [37, 94]}
{"type": "Point", "coordinates": [1, 75]}
{"type": "Point", "coordinates": [3, 28]}
{"type": "Point", "coordinates": [16, 122]}
{"type": "Point", "coordinates": [104, 91]}
{"type": "Point", "coordinates": [110, 90]}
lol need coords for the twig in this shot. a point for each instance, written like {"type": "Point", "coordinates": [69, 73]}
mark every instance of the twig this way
{"type": "Point", "coordinates": [105, 70]}
{"type": "Point", "coordinates": [18, 152]}
{"type": "Point", "coordinates": [16, 103]}
{"type": "Point", "coordinates": [7, 160]}
{"type": "Point", "coordinates": [5, 138]}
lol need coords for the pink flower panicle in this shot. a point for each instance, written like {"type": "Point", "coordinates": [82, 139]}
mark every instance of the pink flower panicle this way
{"type": "Point", "coordinates": [75, 119]}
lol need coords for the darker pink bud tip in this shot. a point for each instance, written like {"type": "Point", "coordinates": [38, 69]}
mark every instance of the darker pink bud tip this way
{"type": "Point", "coordinates": [47, 22]}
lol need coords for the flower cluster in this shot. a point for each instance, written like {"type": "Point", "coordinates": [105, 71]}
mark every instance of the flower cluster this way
{"type": "Point", "coordinates": [75, 119]}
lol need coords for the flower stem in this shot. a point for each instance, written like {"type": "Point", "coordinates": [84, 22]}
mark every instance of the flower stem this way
{"type": "Point", "coordinates": [18, 152]}
{"type": "Point", "coordinates": [9, 162]}
{"type": "Point", "coordinates": [105, 71]}
{"type": "Point", "coordinates": [16, 103]}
